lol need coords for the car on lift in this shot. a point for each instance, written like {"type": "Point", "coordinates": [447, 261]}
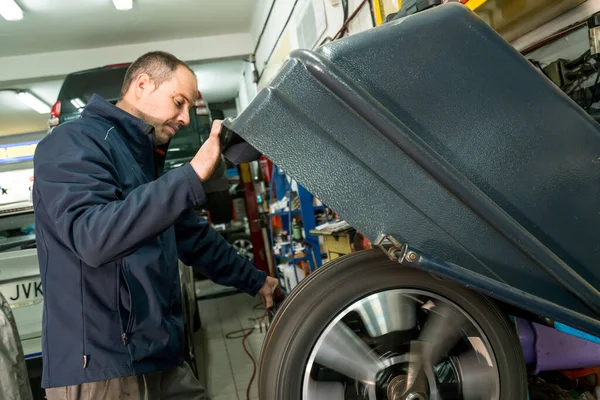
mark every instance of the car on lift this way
{"type": "Point", "coordinates": [476, 179]}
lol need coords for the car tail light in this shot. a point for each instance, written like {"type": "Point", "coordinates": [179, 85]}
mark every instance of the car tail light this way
{"type": "Point", "coordinates": [55, 111]}
{"type": "Point", "coordinates": [54, 115]}
{"type": "Point", "coordinates": [200, 105]}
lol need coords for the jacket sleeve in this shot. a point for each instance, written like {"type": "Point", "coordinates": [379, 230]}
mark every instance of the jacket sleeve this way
{"type": "Point", "coordinates": [205, 249]}
{"type": "Point", "coordinates": [77, 184]}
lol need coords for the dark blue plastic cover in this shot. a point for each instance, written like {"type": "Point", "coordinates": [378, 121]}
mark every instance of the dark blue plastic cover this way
{"type": "Point", "coordinates": [435, 130]}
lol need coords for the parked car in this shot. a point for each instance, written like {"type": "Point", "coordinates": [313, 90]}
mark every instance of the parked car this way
{"type": "Point", "coordinates": [20, 281]}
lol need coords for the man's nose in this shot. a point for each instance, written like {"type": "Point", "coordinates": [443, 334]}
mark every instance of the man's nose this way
{"type": "Point", "coordinates": [184, 118]}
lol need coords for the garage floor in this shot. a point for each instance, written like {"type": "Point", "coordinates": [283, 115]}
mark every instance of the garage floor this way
{"type": "Point", "coordinates": [227, 368]}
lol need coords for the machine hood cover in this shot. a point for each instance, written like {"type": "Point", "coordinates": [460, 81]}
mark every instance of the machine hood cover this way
{"type": "Point", "coordinates": [435, 130]}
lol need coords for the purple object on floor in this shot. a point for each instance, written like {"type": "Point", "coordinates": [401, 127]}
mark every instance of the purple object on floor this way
{"type": "Point", "coordinates": [547, 349]}
{"type": "Point", "coordinates": [527, 339]}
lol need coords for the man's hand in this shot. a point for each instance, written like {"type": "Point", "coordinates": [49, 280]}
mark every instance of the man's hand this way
{"type": "Point", "coordinates": [270, 290]}
{"type": "Point", "coordinates": [206, 159]}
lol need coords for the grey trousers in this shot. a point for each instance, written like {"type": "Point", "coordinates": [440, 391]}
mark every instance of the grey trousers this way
{"type": "Point", "coordinates": [175, 384]}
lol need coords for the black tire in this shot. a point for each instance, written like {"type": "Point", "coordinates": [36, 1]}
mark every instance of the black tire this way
{"type": "Point", "coordinates": [189, 352]}
{"type": "Point", "coordinates": [190, 355]}
{"type": "Point", "coordinates": [325, 293]}
{"type": "Point", "coordinates": [196, 323]}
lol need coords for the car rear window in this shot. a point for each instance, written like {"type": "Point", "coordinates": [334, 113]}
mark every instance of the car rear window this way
{"type": "Point", "coordinates": [78, 88]}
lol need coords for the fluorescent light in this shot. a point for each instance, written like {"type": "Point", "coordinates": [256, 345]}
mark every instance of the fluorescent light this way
{"type": "Point", "coordinates": [77, 103]}
{"type": "Point", "coordinates": [122, 4]}
{"type": "Point", "coordinates": [33, 102]}
{"type": "Point", "coordinates": [10, 10]}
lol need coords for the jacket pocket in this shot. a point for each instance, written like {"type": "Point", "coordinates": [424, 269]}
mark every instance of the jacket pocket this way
{"type": "Point", "coordinates": [126, 325]}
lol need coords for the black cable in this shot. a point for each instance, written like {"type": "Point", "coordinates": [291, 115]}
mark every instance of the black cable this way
{"type": "Point", "coordinates": [278, 38]}
{"type": "Point", "coordinates": [264, 27]}
{"type": "Point", "coordinates": [595, 87]}
{"type": "Point", "coordinates": [579, 60]}
{"type": "Point", "coordinates": [345, 8]}
{"type": "Point", "coordinates": [372, 13]}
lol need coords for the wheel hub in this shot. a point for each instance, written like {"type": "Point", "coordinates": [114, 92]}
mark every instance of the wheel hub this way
{"type": "Point", "coordinates": [416, 396]}
{"type": "Point", "coordinates": [398, 390]}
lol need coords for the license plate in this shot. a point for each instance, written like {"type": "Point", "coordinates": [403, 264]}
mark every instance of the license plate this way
{"type": "Point", "coordinates": [22, 293]}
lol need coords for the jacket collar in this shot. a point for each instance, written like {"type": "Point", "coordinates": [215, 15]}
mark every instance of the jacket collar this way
{"type": "Point", "coordinates": [130, 126]}
{"type": "Point", "coordinates": [138, 135]}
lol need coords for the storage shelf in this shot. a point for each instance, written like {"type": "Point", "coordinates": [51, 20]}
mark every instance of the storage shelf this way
{"type": "Point", "coordinates": [289, 259]}
{"type": "Point", "coordinates": [284, 213]}
{"type": "Point", "coordinates": [279, 188]}
{"type": "Point", "coordinates": [295, 212]}
{"type": "Point", "coordinates": [304, 258]}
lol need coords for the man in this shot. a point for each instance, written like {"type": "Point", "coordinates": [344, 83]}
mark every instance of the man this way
{"type": "Point", "coordinates": [110, 228]}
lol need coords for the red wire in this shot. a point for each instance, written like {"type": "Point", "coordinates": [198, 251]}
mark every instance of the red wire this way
{"type": "Point", "coordinates": [250, 355]}
{"type": "Point", "coordinates": [350, 18]}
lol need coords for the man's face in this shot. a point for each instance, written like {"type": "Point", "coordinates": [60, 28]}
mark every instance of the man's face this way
{"type": "Point", "coordinates": [168, 107]}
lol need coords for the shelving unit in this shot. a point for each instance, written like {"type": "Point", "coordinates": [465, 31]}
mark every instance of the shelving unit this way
{"type": "Point", "coordinates": [280, 188]}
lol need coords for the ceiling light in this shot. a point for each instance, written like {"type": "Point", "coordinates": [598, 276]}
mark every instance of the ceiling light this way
{"type": "Point", "coordinates": [121, 4]}
{"type": "Point", "coordinates": [10, 10]}
{"type": "Point", "coordinates": [33, 102]}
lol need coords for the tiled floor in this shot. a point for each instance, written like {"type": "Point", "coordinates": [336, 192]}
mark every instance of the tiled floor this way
{"type": "Point", "coordinates": [228, 368]}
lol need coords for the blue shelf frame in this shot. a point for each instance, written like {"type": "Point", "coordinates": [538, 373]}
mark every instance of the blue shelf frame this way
{"type": "Point", "coordinates": [282, 187]}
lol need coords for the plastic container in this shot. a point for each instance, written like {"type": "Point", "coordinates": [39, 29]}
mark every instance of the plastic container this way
{"type": "Point", "coordinates": [293, 275]}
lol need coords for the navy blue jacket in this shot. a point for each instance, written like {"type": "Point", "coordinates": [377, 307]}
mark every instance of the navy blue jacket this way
{"type": "Point", "coordinates": [110, 232]}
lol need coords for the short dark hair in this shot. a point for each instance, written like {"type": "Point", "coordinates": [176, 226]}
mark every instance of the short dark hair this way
{"type": "Point", "coordinates": [159, 65]}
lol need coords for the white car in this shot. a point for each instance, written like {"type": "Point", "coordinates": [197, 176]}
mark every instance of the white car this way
{"type": "Point", "coordinates": [20, 278]}
{"type": "Point", "coordinates": [19, 271]}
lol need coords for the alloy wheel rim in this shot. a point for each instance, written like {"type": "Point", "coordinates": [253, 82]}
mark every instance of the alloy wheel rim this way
{"type": "Point", "coordinates": [244, 248]}
{"type": "Point", "coordinates": [393, 353]}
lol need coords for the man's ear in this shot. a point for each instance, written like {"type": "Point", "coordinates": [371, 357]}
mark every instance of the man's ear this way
{"type": "Point", "coordinates": [143, 84]}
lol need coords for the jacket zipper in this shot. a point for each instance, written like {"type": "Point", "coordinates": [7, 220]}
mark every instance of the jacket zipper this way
{"type": "Point", "coordinates": [129, 325]}
{"type": "Point", "coordinates": [85, 358]}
